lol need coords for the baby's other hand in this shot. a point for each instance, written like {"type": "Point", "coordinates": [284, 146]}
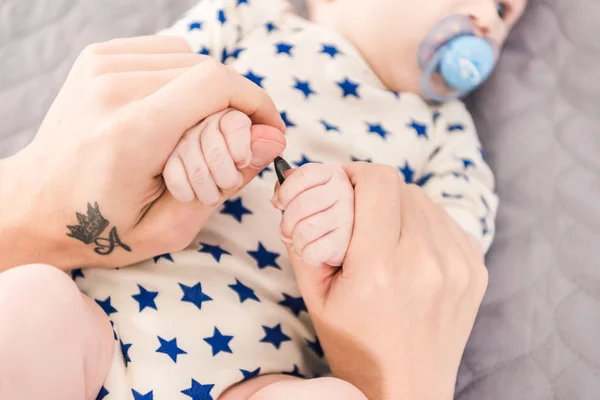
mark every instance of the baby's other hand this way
{"type": "Point", "coordinates": [318, 200]}
{"type": "Point", "coordinates": [211, 158]}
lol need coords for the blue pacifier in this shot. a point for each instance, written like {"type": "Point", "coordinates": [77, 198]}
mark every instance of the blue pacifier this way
{"type": "Point", "coordinates": [453, 50]}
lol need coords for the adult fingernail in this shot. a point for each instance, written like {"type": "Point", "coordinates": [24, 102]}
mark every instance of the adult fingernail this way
{"type": "Point", "coordinates": [264, 151]}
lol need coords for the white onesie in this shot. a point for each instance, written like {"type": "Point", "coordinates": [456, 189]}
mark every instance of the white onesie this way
{"type": "Point", "coordinates": [191, 324]}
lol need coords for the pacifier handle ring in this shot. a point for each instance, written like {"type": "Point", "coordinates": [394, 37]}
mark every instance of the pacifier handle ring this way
{"type": "Point", "coordinates": [428, 70]}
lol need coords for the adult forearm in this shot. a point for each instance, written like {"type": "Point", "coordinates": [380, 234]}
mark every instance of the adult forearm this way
{"type": "Point", "coordinates": [24, 236]}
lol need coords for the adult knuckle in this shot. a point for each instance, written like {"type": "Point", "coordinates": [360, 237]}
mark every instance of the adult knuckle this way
{"type": "Point", "coordinates": [480, 279]}
{"type": "Point", "coordinates": [431, 280]}
{"type": "Point", "coordinates": [234, 121]}
{"type": "Point", "coordinates": [92, 50]}
{"type": "Point", "coordinates": [104, 89]}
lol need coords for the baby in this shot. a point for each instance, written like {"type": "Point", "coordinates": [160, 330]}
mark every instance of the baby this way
{"type": "Point", "coordinates": [352, 84]}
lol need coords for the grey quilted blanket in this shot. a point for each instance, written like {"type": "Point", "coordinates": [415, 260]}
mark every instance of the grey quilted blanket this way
{"type": "Point", "coordinates": [537, 336]}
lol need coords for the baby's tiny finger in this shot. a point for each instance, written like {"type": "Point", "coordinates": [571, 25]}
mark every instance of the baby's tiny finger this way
{"type": "Point", "coordinates": [196, 168]}
{"type": "Point", "coordinates": [302, 179]}
{"type": "Point", "coordinates": [329, 249]}
{"type": "Point", "coordinates": [217, 156]}
{"type": "Point", "coordinates": [176, 179]}
{"type": "Point", "coordinates": [307, 203]}
{"type": "Point", "coordinates": [235, 126]}
{"type": "Point", "coordinates": [315, 228]}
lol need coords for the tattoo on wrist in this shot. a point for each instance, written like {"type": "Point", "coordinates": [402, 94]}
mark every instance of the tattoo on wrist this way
{"type": "Point", "coordinates": [91, 227]}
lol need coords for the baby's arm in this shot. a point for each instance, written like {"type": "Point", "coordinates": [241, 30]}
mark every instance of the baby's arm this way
{"type": "Point", "coordinates": [457, 177]}
{"type": "Point", "coordinates": [318, 200]}
{"type": "Point", "coordinates": [216, 27]}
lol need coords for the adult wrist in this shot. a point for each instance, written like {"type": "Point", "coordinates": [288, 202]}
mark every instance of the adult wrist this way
{"type": "Point", "coordinates": [28, 238]}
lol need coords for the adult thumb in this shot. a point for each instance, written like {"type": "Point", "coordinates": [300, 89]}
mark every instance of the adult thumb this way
{"type": "Point", "coordinates": [266, 143]}
{"type": "Point", "coordinates": [314, 281]}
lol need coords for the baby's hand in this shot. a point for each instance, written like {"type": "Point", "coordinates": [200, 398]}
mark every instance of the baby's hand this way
{"type": "Point", "coordinates": [210, 157]}
{"type": "Point", "coordinates": [318, 201]}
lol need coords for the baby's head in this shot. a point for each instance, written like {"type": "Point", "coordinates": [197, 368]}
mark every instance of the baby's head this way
{"type": "Point", "coordinates": [388, 33]}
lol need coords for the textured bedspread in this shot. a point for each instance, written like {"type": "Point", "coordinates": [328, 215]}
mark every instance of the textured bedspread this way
{"type": "Point", "coordinates": [537, 336]}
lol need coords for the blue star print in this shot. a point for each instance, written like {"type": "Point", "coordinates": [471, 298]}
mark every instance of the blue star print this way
{"type": "Point", "coordinates": [349, 88]}
{"type": "Point", "coordinates": [170, 348]}
{"type": "Point", "coordinates": [235, 208]}
{"type": "Point", "coordinates": [316, 347]}
{"type": "Point", "coordinates": [396, 94]}
{"type": "Point", "coordinates": [303, 161]}
{"type": "Point", "coordinates": [270, 27]}
{"type": "Point", "coordinates": [330, 50]}
{"type": "Point", "coordinates": [250, 374]}
{"type": "Point", "coordinates": [286, 120]}
{"type": "Point", "coordinates": [221, 17]}
{"type": "Point", "coordinates": [199, 391]}
{"type": "Point", "coordinates": [294, 372]}
{"type": "Point", "coordinates": [235, 53]}
{"type": "Point", "coordinates": [304, 87]}
{"type": "Point", "coordinates": [145, 298]}
{"type": "Point", "coordinates": [138, 396]}
{"type": "Point", "coordinates": [77, 273]}
{"type": "Point", "coordinates": [420, 129]}
{"type": "Point", "coordinates": [195, 26]}
{"type": "Point", "coordinates": [265, 169]}
{"type": "Point", "coordinates": [264, 258]}
{"type": "Point", "coordinates": [112, 324]}
{"type": "Point", "coordinates": [125, 351]}
{"type": "Point", "coordinates": [219, 342]}
{"type": "Point", "coordinates": [215, 251]}
{"type": "Point", "coordinates": [166, 256]}
{"type": "Point", "coordinates": [435, 117]}
{"type": "Point", "coordinates": [467, 163]}
{"type": "Point", "coordinates": [284, 48]}
{"type": "Point", "coordinates": [295, 304]}
{"type": "Point", "coordinates": [456, 127]}
{"type": "Point", "coordinates": [204, 50]}
{"type": "Point", "coordinates": [378, 129]}
{"type": "Point", "coordinates": [484, 226]}
{"type": "Point", "coordinates": [243, 291]}
{"type": "Point", "coordinates": [275, 336]}
{"type": "Point", "coordinates": [408, 173]}
{"type": "Point", "coordinates": [240, 2]}
{"type": "Point", "coordinates": [102, 394]}
{"type": "Point", "coordinates": [194, 295]}
{"type": "Point", "coordinates": [106, 306]}
{"type": "Point", "coordinates": [424, 179]}
{"type": "Point", "coordinates": [328, 127]}
{"type": "Point", "coordinates": [257, 79]}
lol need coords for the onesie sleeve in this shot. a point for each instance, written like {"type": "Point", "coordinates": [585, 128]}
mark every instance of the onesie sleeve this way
{"type": "Point", "coordinates": [217, 27]}
{"type": "Point", "coordinates": [457, 177]}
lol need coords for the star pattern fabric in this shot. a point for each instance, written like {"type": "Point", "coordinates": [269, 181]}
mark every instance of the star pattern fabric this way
{"type": "Point", "coordinates": [219, 342]}
{"type": "Point", "coordinates": [235, 208]}
{"type": "Point", "coordinates": [215, 251]}
{"type": "Point", "coordinates": [264, 258]}
{"type": "Point", "coordinates": [145, 298]}
{"type": "Point", "coordinates": [194, 295]}
{"type": "Point", "coordinates": [170, 348]}
{"type": "Point", "coordinates": [227, 307]}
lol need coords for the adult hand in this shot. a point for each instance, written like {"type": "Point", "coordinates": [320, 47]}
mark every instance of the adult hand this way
{"type": "Point", "coordinates": [102, 148]}
{"type": "Point", "coordinates": [395, 319]}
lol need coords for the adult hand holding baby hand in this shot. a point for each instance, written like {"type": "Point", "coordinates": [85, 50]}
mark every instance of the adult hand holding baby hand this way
{"type": "Point", "coordinates": [395, 319]}
{"type": "Point", "coordinates": [94, 171]}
